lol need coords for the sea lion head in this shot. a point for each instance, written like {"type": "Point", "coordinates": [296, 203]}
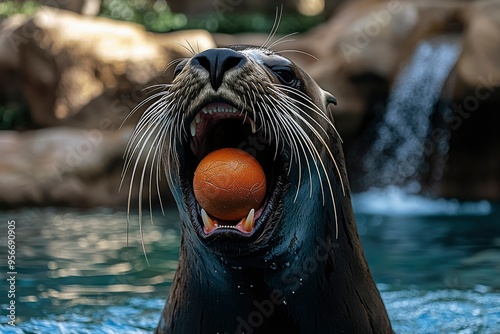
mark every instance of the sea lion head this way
{"type": "Point", "coordinates": [259, 101]}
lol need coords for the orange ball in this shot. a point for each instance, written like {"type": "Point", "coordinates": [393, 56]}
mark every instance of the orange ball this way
{"type": "Point", "coordinates": [228, 183]}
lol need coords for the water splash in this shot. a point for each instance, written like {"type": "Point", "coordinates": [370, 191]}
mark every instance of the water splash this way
{"type": "Point", "coordinates": [398, 150]}
{"type": "Point", "coordinates": [394, 201]}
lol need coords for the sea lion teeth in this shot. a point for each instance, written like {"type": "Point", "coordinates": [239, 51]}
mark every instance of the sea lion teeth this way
{"type": "Point", "coordinates": [193, 128]}
{"type": "Point", "coordinates": [197, 118]}
{"type": "Point", "coordinates": [208, 223]}
{"type": "Point", "coordinates": [248, 225]}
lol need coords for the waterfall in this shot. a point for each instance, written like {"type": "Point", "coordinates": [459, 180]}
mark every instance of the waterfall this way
{"type": "Point", "coordinates": [397, 151]}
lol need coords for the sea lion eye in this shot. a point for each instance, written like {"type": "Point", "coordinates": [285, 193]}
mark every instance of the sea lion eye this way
{"type": "Point", "coordinates": [285, 74]}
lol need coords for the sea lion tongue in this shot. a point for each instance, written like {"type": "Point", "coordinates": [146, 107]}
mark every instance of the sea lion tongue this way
{"type": "Point", "coordinates": [229, 184]}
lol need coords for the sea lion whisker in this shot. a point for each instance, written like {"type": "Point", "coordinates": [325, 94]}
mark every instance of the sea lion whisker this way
{"type": "Point", "coordinates": [286, 134]}
{"type": "Point", "coordinates": [139, 144]}
{"type": "Point", "coordinates": [299, 139]}
{"type": "Point", "coordinates": [300, 135]}
{"type": "Point", "coordinates": [311, 106]}
{"type": "Point", "coordinates": [164, 94]}
{"type": "Point", "coordinates": [253, 109]}
{"type": "Point", "coordinates": [191, 49]}
{"type": "Point", "coordinates": [173, 62]}
{"type": "Point", "coordinates": [272, 127]}
{"type": "Point", "coordinates": [154, 109]}
{"type": "Point", "coordinates": [171, 156]}
{"type": "Point", "coordinates": [279, 133]}
{"type": "Point", "coordinates": [282, 39]}
{"type": "Point", "coordinates": [157, 87]}
{"type": "Point", "coordinates": [135, 141]}
{"type": "Point", "coordinates": [325, 145]}
{"type": "Point", "coordinates": [312, 128]}
{"type": "Point", "coordinates": [325, 172]}
{"type": "Point", "coordinates": [152, 148]}
{"type": "Point", "coordinates": [292, 141]}
{"type": "Point", "coordinates": [299, 51]}
{"type": "Point", "coordinates": [144, 142]}
{"type": "Point", "coordinates": [158, 176]}
{"type": "Point", "coordinates": [319, 137]}
{"type": "Point", "coordinates": [145, 122]}
{"type": "Point", "coordinates": [291, 102]}
{"type": "Point", "coordinates": [155, 163]}
{"type": "Point", "coordinates": [265, 111]}
{"type": "Point", "coordinates": [274, 29]}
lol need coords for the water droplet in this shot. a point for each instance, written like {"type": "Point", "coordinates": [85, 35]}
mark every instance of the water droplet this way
{"type": "Point", "coordinates": [251, 285]}
{"type": "Point", "coordinates": [284, 302]}
{"type": "Point", "coordinates": [274, 266]}
{"type": "Point", "coordinates": [287, 264]}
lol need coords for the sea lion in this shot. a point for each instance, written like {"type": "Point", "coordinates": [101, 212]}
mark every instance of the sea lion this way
{"type": "Point", "coordinates": [300, 267]}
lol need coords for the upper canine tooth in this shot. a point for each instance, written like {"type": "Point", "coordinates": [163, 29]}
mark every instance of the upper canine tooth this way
{"type": "Point", "coordinates": [248, 225]}
{"type": "Point", "coordinates": [197, 118]}
{"type": "Point", "coordinates": [208, 223]}
{"type": "Point", "coordinates": [192, 127]}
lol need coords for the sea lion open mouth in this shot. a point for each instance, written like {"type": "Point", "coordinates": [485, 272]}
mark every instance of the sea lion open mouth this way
{"type": "Point", "coordinates": [221, 125]}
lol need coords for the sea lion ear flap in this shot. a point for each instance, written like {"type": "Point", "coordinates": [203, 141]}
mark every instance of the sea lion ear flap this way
{"type": "Point", "coordinates": [330, 99]}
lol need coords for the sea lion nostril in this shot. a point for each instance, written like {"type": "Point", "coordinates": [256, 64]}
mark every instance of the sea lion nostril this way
{"type": "Point", "coordinates": [217, 62]}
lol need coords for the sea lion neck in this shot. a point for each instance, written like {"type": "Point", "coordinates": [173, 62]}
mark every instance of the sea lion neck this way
{"type": "Point", "coordinates": [210, 296]}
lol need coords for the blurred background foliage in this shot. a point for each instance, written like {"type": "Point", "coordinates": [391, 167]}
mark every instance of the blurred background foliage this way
{"type": "Point", "coordinates": [156, 16]}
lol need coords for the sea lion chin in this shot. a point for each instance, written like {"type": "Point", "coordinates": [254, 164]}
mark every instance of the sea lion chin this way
{"type": "Point", "coordinates": [297, 266]}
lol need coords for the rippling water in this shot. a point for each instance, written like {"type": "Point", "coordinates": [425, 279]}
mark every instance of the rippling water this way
{"type": "Point", "coordinates": [436, 262]}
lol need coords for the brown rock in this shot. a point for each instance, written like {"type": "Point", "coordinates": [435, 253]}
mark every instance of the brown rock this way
{"type": "Point", "coordinates": [224, 7]}
{"type": "Point", "coordinates": [362, 49]}
{"type": "Point", "coordinates": [478, 68]}
{"type": "Point", "coordinates": [85, 7]}
{"type": "Point", "coordinates": [64, 166]}
{"type": "Point", "coordinates": [81, 71]}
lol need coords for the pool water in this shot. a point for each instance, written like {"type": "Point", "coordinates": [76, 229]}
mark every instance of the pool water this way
{"type": "Point", "coordinates": [436, 263]}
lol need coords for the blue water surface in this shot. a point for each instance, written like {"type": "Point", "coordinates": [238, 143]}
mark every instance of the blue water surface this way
{"type": "Point", "coordinates": [436, 263]}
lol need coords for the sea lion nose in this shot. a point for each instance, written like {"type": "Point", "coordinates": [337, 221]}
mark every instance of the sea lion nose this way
{"type": "Point", "coordinates": [217, 62]}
